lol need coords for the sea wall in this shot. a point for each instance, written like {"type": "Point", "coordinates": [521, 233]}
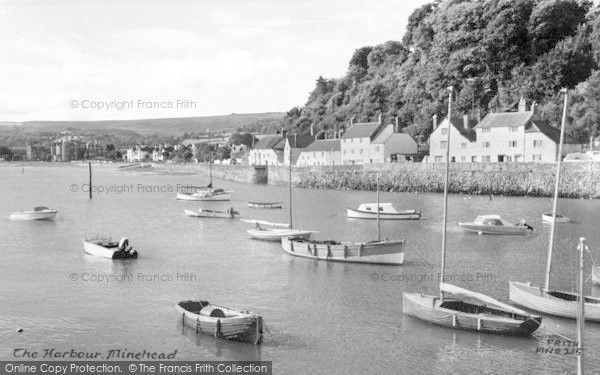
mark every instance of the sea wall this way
{"type": "Point", "coordinates": [578, 180]}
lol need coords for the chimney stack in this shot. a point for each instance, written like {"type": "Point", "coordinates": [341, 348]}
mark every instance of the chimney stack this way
{"type": "Point", "coordinates": [312, 128]}
{"type": "Point", "coordinates": [522, 105]}
{"type": "Point", "coordinates": [397, 129]}
{"type": "Point", "coordinates": [533, 106]}
{"type": "Point", "coordinates": [379, 118]}
{"type": "Point", "coordinates": [434, 121]}
{"type": "Point", "coordinates": [466, 121]}
{"type": "Point", "coordinates": [351, 121]}
{"type": "Point", "coordinates": [283, 133]}
{"type": "Point", "coordinates": [295, 139]}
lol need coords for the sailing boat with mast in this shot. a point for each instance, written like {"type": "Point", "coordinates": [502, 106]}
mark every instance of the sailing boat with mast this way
{"type": "Point", "coordinates": [268, 231]}
{"type": "Point", "coordinates": [484, 314]}
{"type": "Point", "coordinates": [546, 300]}
{"type": "Point", "coordinates": [375, 252]}
{"type": "Point", "coordinates": [207, 193]}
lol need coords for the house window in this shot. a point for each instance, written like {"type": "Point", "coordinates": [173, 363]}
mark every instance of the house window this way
{"type": "Point", "coordinates": [444, 131]}
{"type": "Point", "coordinates": [463, 146]}
{"type": "Point", "coordinates": [352, 151]}
{"type": "Point", "coordinates": [485, 145]}
{"type": "Point", "coordinates": [377, 148]}
{"type": "Point", "coordinates": [512, 143]}
{"type": "Point", "coordinates": [438, 158]}
{"type": "Point", "coordinates": [486, 158]}
{"type": "Point", "coordinates": [443, 144]}
{"type": "Point", "coordinates": [463, 158]}
{"type": "Point", "coordinates": [513, 129]}
{"type": "Point", "coordinates": [473, 159]}
{"type": "Point", "coordinates": [537, 157]}
{"type": "Point", "coordinates": [361, 150]}
{"type": "Point", "coordinates": [507, 158]}
{"type": "Point", "coordinates": [538, 143]}
{"type": "Point", "coordinates": [486, 130]}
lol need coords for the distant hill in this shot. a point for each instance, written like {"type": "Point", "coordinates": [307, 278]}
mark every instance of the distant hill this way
{"type": "Point", "coordinates": [165, 126]}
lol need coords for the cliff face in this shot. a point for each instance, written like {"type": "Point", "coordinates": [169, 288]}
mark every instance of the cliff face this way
{"type": "Point", "coordinates": [492, 52]}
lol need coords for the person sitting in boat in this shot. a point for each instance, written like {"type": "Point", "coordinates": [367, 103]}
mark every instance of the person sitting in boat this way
{"type": "Point", "coordinates": [123, 243]}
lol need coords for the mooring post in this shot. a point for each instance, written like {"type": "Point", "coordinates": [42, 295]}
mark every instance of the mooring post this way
{"type": "Point", "coordinates": [90, 185]}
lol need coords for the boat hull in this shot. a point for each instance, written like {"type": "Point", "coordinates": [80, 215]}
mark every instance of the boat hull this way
{"type": "Point", "coordinates": [245, 326]}
{"type": "Point", "coordinates": [537, 299]}
{"type": "Point", "coordinates": [405, 215]}
{"type": "Point", "coordinates": [34, 215]}
{"type": "Point", "coordinates": [277, 234]}
{"type": "Point", "coordinates": [377, 252]}
{"type": "Point", "coordinates": [221, 197]}
{"type": "Point", "coordinates": [430, 309]}
{"type": "Point", "coordinates": [265, 205]}
{"type": "Point", "coordinates": [211, 214]}
{"type": "Point", "coordinates": [490, 229]}
{"type": "Point", "coordinates": [95, 248]}
{"type": "Point", "coordinates": [548, 218]}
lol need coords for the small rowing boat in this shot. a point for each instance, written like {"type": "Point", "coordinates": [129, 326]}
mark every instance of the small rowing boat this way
{"type": "Point", "coordinates": [221, 322]}
{"type": "Point", "coordinates": [265, 204]}
{"type": "Point", "coordinates": [548, 218]}
{"type": "Point", "coordinates": [106, 248]}
{"type": "Point", "coordinates": [229, 214]}
{"type": "Point", "coordinates": [206, 195]}
{"type": "Point", "coordinates": [268, 233]}
{"type": "Point", "coordinates": [38, 213]}
{"type": "Point", "coordinates": [386, 212]}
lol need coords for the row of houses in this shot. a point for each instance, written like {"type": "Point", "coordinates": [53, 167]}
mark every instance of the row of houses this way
{"type": "Point", "coordinates": [499, 137]}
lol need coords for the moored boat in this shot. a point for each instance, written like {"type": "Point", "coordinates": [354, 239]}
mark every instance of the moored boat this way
{"type": "Point", "coordinates": [266, 231]}
{"type": "Point", "coordinates": [221, 322]}
{"type": "Point", "coordinates": [229, 214]}
{"type": "Point", "coordinates": [38, 213]}
{"type": "Point", "coordinates": [265, 204]}
{"type": "Point", "coordinates": [377, 252]}
{"type": "Point", "coordinates": [494, 224]}
{"type": "Point", "coordinates": [387, 211]}
{"type": "Point", "coordinates": [106, 248]}
{"type": "Point", "coordinates": [206, 195]}
{"type": "Point", "coordinates": [548, 218]}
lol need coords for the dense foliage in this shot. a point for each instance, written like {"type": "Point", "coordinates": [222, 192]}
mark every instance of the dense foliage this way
{"type": "Point", "coordinates": [492, 52]}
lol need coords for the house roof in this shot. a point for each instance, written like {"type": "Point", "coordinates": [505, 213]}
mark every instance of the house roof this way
{"type": "Point", "coordinates": [505, 119]}
{"type": "Point", "coordinates": [268, 142]}
{"type": "Point", "coordinates": [400, 143]}
{"type": "Point", "coordinates": [296, 141]}
{"type": "Point", "coordinates": [458, 124]}
{"type": "Point", "coordinates": [549, 131]}
{"type": "Point", "coordinates": [361, 130]}
{"type": "Point", "coordinates": [323, 145]}
{"type": "Point", "coordinates": [384, 134]}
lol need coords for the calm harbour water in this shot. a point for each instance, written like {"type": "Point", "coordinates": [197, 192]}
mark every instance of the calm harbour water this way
{"type": "Point", "coordinates": [323, 317]}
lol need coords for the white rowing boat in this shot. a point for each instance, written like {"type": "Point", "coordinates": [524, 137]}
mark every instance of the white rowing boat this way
{"type": "Point", "coordinates": [38, 213]}
{"type": "Point", "coordinates": [106, 248]}
{"type": "Point", "coordinates": [494, 224]}
{"type": "Point", "coordinates": [387, 211]}
{"type": "Point", "coordinates": [267, 231]}
{"type": "Point", "coordinates": [229, 214]}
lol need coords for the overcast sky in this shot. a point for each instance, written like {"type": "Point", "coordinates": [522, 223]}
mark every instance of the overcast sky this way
{"type": "Point", "coordinates": [58, 59]}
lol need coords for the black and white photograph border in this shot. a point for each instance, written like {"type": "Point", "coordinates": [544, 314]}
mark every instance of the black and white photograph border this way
{"type": "Point", "coordinates": [313, 187]}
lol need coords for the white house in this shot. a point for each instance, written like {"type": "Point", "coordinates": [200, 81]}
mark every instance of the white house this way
{"type": "Point", "coordinates": [321, 152]}
{"type": "Point", "coordinates": [462, 141]}
{"type": "Point", "coordinates": [138, 154]}
{"type": "Point", "coordinates": [356, 145]}
{"type": "Point", "coordinates": [265, 152]}
{"type": "Point", "coordinates": [294, 144]}
{"type": "Point", "coordinates": [390, 145]}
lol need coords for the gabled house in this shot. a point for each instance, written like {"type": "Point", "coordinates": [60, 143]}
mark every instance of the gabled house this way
{"type": "Point", "coordinates": [462, 138]}
{"type": "Point", "coordinates": [265, 152]}
{"type": "Point", "coordinates": [356, 145]}
{"type": "Point", "coordinates": [391, 146]}
{"type": "Point", "coordinates": [293, 145]}
{"type": "Point", "coordinates": [321, 152]}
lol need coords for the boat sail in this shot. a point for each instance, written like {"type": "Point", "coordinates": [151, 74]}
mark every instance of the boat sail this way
{"type": "Point", "coordinates": [206, 193]}
{"type": "Point", "coordinates": [468, 310]}
{"type": "Point", "coordinates": [375, 252]}
{"type": "Point", "coordinates": [268, 231]}
{"type": "Point", "coordinates": [545, 300]}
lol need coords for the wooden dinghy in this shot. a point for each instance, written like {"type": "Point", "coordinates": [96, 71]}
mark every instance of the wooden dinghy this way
{"type": "Point", "coordinates": [386, 212]}
{"type": "Point", "coordinates": [106, 248]}
{"type": "Point", "coordinates": [377, 252]}
{"type": "Point", "coordinates": [229, 214]}
{"type": "Point", "coordinates": [485, 314]}
{"type": "Point", "coordinates": [267, 231]}
{"type": "Point", "coordinates": [552, 302]}
{"type": "Point", "coordinates": [548, 218]}
{"type": "Point", "coordinates": [265, 204]}
{"type": "Point", "coordinates": [494, 224]}
{"type": "Point", "coordinates": [221, 322]}
{"type": "Point", "coordinates": [38, 213]}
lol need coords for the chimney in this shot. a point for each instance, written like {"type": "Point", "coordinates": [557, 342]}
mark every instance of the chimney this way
{"type": "Point", "coordinates": [379, 118]}
{"type": "Point", "coordinates": [295, 139]}
{"type": "Point", "coordinates": [351, 121]}
{"type": "Point", "coordinates": [397, 129]}
{"type": "Point", "coordinates": [283, 133]}
{"type": "Point", "coordinates": [312, 128]}
{"type": "Point", "coordinates": [533, 106]}
{"type": "Point", "coordinates": [434, 121]}
{"type": "Point", "coordinates": [522, 105]}
{"type": "Point", "coordinates": [466, 121]}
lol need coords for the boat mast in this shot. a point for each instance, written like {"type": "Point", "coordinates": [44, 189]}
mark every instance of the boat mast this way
{"type": "Point", "coordinates": [290, 185]}
{"type": "Point", "coordinates": [209, 160]}
{"type": "Point", "coordinates": [580, 310]}
{"type": "Point", "coordinates": [553, 223]}
{"type": "Point", "coordinates": [446, 192]}
{"type": "Point", "coordinates": [378, 222]}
